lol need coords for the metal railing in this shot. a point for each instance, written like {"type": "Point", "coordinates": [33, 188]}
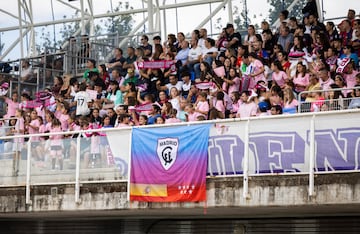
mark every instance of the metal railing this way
{"type": "Point", "coordinates": [327, 103]}
{"type": "Point", "coordinates": [81, 163]}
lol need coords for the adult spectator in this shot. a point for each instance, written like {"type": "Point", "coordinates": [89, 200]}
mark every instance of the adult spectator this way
{"type": "Point", "coordinates": [182, 56]}
{"type": "Point", "coordinates": [233, 38]}
{"type": "Point", "coordinates": [351, 16]}
{"type": "Point", "coordinates": [90, 67]}
{"type": "Point", "coordinates": [210, 52]}
{"type": "Point", "coordinates": [349, 53]}
{"type": "Point", "coordinates": [315, 24]}
{"type": "Point", "coordinates": [202, 38]}
{"type": "Point", "coordinates": [117, 62]}
{"type": "Point", "coordinates": [157, 40]}
{"type": "Point", "coordinates": [268, 41]}
{"type": "Point", "coordinates": [130, 59]}
{"type": "Point", "coordinates": [173, 82]}
{"type": "Point", "coordinates": [27, 73]}
{"type": "Point", "coordinates": [345, 32]}
{"type": "Point", "coordinates": [248, 107]}
{"type": "Point", "coordinates": [325, 80]}
{"type": "Point", "coordinates": [285, 38]}
{"type": "Point", "coordinates": [180, 39]}
{"type": "Point", "coordinates": [194, 55]}
{"type": "Point", "coordinates": [250, 37]}
{"type": "Point", "coordinates": [146, 46]}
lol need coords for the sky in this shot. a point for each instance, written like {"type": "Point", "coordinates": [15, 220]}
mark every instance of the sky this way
{"type": "Point", "coordinates": [187, 20]}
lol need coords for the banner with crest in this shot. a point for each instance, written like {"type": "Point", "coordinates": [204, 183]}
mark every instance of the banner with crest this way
{"type": "Point", "coordinates": [169, 164]}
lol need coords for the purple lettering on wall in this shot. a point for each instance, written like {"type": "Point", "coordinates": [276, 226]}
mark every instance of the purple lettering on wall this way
{"type": "Point", "coordinates": [277, 152]}
{"type": "Point", "coordinates": [225, 155]}
{"type": "Point", "coordinates": [338, 150]}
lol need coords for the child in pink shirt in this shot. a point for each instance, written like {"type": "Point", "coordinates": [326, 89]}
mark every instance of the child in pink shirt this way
{"type": "Point", "coordinates": [279, 77]}
{"type": "Point", "coordinates": [56, 147]}
{"type": "Point", "coordinates": [191, 115]}
{"type": "Point", "coordinates": [12, 105]}
{"type": "Point", "coordinates": [64, 116]}
{"type": "Point", "coordinates": [202, 106]}
{"type": "Point", "coordinates": [172, 117]}
{"type": "Point", "coordinates": [33, 126]}
{"type": "Point", "coordinates": [220, 103]}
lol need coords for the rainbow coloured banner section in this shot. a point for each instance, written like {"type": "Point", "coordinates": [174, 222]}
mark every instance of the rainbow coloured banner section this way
{"type": "Point", "coordinates": [169, 164]}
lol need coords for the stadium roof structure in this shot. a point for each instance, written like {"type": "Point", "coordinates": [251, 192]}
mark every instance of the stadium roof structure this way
{"type": "Point", "coordinates": [24, 18]}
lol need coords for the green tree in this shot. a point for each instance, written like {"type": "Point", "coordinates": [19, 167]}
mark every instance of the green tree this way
{"type": "Point", "coordinates": [120, 24]}
{"type": "Point", "coordinates": [277, 6]}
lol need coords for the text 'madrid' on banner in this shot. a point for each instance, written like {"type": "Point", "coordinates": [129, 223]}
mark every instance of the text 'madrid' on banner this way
{"type": "Point", "coordinates": [169, 164]}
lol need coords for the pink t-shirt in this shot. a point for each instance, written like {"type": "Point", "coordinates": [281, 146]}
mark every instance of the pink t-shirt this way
{"type": "Point", "coordinates": [19, 126]}
{"type": "Point", "coordinates": [302, 81]}
{"type": "Point", "coordinates": [35, 123]}
{"type": "Point", "coordinates": [247, 110]}
{"type": "Point", "coordinates": [64, 122]}
{"type": "Point", "coordinates": [325, 85]}
{"type": "Point", "coordinates": [173, 120]}
{"type": "Point", "coordinates": [279, 78]}
{"type": "Point", "coordinates": [55, 139]}
{"type": "Point", "coordinates": [235, 86]}
{"type": "Point", "coordinates": [235, 106]}
{"type": "Point", "coordinates": [255, 67]}
{"type": "Point", "coordinates": [12, 106]}
{"type": "Point", "coordinates": [219, 105]}
{"type": "Point", "coordinates": [293, 104]}
{"type": "Point", "coordinates": [47, 127]}
{"type": "Point", "coordinates": [203, 106]}
{"type": "Point", "coordinates": [193, 116]}
{"type": "Point", "coordinates": [351, 79]}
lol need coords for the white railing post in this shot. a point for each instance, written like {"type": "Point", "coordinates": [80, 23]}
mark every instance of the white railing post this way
{"type": "Point", "coordinates": [28, 173]}
{"type": "Point", "coordinates": [246, 162]}
{"type": "Point", "coordinates": [312, 156]}
{"type": "Point", "coordinates": [77, 172]}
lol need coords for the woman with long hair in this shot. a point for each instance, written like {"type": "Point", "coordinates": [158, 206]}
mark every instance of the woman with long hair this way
{"type": "Point", "coordinates": [301, 79]}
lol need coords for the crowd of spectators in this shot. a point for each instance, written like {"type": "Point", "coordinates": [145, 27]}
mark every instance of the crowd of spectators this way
{"type": "Point", "coordinates": [200, 78]}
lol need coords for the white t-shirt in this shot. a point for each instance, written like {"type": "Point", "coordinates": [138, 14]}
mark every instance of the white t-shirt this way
{"type": "Point", "coordinates": [210, 50]}
{"type": "Point", "coordinates": [82, 98]}
{"type": "Point", "coordinates": [178, 85]}
{"type": "Point", "coordinates": [194, 53]}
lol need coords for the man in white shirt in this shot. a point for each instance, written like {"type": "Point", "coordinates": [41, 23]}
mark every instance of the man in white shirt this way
{"type": "Point", "coordinates": [194, 55]}
{"type": "Point", "coordinates": [209, 54]}
{"type": "Point", "coordinates": [173, 82]}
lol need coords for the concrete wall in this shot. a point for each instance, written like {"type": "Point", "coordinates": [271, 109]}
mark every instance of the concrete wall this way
{"type": "Point", "coordinates": [268, 196]}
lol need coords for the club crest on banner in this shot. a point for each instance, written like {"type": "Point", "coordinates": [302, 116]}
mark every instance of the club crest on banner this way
{"type": "Point", "coordinates": [167, 149]}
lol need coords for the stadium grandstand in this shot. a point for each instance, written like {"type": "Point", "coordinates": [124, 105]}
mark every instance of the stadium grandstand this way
{"type": "Point", "coordinates": [234, 128]}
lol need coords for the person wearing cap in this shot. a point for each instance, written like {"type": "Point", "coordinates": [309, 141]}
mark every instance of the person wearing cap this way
{"type": "Point", "coordinates": [345, 32]}
{"type": "Point", "coordinates": [157, 40]}
{"type": "Point", "coordinates": [234, 38]}
{"type": "Point", "coordinates": [90, 67]}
